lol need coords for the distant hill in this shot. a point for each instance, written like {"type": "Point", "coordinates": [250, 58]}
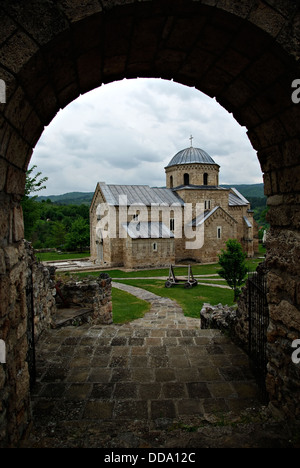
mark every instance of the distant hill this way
{"type": "Point", "coordinates": [71, 198]}
{"type": "Point", "coordinates": [78, 198]}
{"type": "Point", "coordinates": [249, 190]}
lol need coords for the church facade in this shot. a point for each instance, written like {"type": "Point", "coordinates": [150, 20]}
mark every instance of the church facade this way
{"type": "Point", "coordinates": [190, 220]}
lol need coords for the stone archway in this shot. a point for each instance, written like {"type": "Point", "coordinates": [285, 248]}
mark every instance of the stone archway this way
{"type": "Point", "coordinates": [246, 54]}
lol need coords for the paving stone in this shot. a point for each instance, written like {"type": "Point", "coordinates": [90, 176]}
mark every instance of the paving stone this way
{"type": "Point", "coordinates": [189, 407]}
{"type": "Point", "coordinates": [128, 410]}
{"type": "Point", "coordinates": [102, 391]}
{"type": "Point", "coordinates": [139, 361]}
{"type": "Point", "coordinates": [208, 374]}
{"type": "Point", "coordinates": [198, 390]}
{"type": "Point", "coordinates": [174, 390]}
{"type": "Point", "coordinates": [189, 374]}
{"type": "Point", "coordinates": [121, 375]}
{"type": "Point", "coordinates": [179, 361]}
{"type": "Point", "coordinates": [163, 409]}
{"type": "Point", "coordinates": [78, 391]}
{"type": "Point", "coordinates": [78, 375]}
{"type": "Point", "coordinates": [144, 374]}
{"type": "Point", "coordinates": [222, 390]}
{"type": "Point", "coordinates": [98, 410]}
{"type": "Point", "coordinates": [118, 361]}
{"type": "Point", "coordinates": [165, 375]}
{"type": "Point", "coordinates": [125, 391]}
{"type": "Point", "coordinates": [54, 390]}
{"type": "Point", "coordinates": [150, 392]}
{"type": "Point", "coordinates": [119, 341]}
{"type": "Point", "coordinates": [141, 374]}
{"type": "Point", "coordinates": [99, 374]}
{"type": "Point", "coordinates": [100, 360]}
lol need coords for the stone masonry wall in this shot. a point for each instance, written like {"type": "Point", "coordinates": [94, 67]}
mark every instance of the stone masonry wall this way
{"type": "Point", "coordinates": [41, 292]}
{"type": "Point", "coordinates": [15, 412]}
{"type": "Point", "coordinates": [94, 293]}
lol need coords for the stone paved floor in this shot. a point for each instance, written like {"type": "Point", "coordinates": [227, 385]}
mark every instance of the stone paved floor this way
{"type": "Point", "coordinates": [159, 381]}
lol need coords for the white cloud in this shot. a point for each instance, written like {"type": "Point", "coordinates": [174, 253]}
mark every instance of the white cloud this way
{"type": "Point", "coordinates": [127, 132]}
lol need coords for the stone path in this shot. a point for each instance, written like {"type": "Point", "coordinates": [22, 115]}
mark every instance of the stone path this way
{"type": "Point", "coordinates": [156, 382]}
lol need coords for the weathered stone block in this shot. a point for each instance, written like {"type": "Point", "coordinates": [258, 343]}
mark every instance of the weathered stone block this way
{"type": "Point", "coordinates": [11, 257]}
{"type": "Point", "coordinates": [286, 313]}
{"type": "Point", "coordinates": [15, 181]}
{"type": "Point", "coordinates": [17, 50]}
{"type": "Point", "coordinates": [3, 169]}
{"type": "Point", "coordinates": [267, 18]}
{"type": "Point", "coordinates": [18, 224]}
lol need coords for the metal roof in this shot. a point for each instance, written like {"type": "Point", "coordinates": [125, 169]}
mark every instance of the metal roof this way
{"type": "Point", "coordinates": [199, 187]}
{"type": "Point", "coordinates": [191, 155]}
{"type": "Point", "coordinates": [248, 224]}
{"type": "Point", "coordinates": [203, 217]}
{"type": "Point", "coordinates": [139, 195]}
{"type": "Point", "coordinates": [147, 230]}
{"type": "Point", "coordinates": [237, 199]}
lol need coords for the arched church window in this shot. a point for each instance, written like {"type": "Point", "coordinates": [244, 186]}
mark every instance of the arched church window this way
{"type": "Point", "coordinates": [205, 179]}
{"type": "Point", "coordinates": [171, 181]}
{"type": "Point", "coordinates": [186, 179]}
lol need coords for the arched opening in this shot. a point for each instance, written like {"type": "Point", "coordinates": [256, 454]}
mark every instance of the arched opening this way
{"type": "Point", "coordinates": [171, 181]}
{"type": "Point", "coordinates": [186, 179]}
{"type": "Point", "coordinates": [205, 178]}
{"type": "Point", "coordinates": [244, 55]}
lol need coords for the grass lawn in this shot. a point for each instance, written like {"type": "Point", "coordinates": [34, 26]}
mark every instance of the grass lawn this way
{"type": "Point", "coordinates": [191, 300]}
{"type": "Point", "coordinates": [52, 256]}
{"type": "Point", "coordinates": [127, 307]}
{"type": "Point", "coordinates": [207, 270]}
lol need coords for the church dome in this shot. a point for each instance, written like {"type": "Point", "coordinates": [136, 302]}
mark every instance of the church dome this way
{"type": "Point", "coordinates": [191, 155]}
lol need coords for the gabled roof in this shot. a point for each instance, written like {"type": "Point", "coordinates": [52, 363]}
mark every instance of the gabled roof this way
{"type": "Point", "coordinates": [139, 195]}
{"type": "Point", "coordinates": [236, 198]}
{"type": "Point", "coordinates": [203, 217]}
{"type": "Point", "coordinates": [147, 230]}
{"type": "Point", "coordinates": [247, 222]}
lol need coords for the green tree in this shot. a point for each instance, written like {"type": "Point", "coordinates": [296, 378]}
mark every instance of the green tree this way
{"type": "Point", "coordinates": [58, 234]}
{"type": "Point", "coordinates": [79, 235]}
{"type": "Point", "coordinates": [34, 184]}
{"type": "Point", "coordinates": [31, 209]}
{"type": "Point", "coordinates": [233, 266]}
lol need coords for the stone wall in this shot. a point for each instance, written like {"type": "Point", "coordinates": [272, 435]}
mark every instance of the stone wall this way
{"type": "Point", "coordinates": [29, 288]}
{"type": "Point", "coordinates": [282, 374]}
{"type": "Point", "coordinates": [141, 253]}
{"type": "Point", "coordinates": [94, 293]}
{"type": "Point", "coordinates": [40, 292]}
{"type": "Point", "coordinates": [196, 173]}
{"type": "Point", "coordinates": [15, 413]}
{"type": "Point", "coordinates": [221, 317]}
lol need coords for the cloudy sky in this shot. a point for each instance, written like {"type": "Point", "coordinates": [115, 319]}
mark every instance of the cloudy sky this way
{"type": "Point", "coordinates": [126, 133]}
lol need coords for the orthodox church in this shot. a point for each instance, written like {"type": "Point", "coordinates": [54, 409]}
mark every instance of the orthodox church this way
{"type": "Point", "coordinates": [189, 220]}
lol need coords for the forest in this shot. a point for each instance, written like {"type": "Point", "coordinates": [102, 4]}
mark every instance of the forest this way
{"type": "Point", "coordinates": [52, 225]}
{"type": "Point", "coordinates": [65, 227]}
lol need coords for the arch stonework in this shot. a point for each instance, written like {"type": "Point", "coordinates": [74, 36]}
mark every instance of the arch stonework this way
{"type": "Point", "coordinates": [245, 54]}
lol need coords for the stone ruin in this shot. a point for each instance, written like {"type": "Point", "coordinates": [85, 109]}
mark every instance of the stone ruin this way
{"type": "Point", "coordinates": [47, 298]}
{"type": "Point", "coordinates": [220, 317]}
{"type": "Point", "coordinates": [90, 294]}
